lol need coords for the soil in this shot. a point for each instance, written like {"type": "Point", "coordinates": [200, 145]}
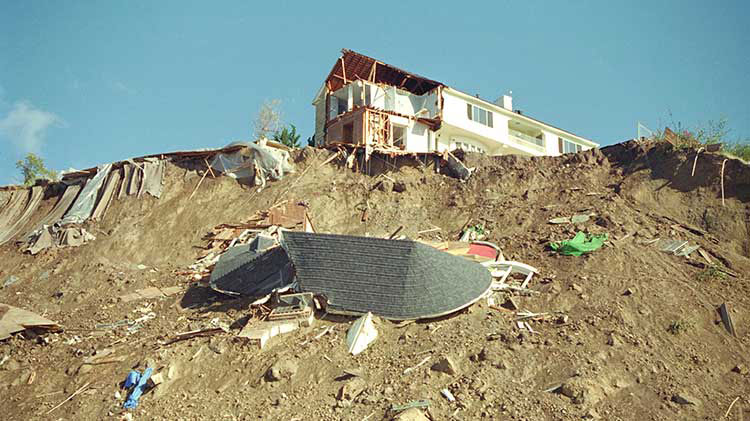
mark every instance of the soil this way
{"type": "Point", "coordinates": [635, 335]}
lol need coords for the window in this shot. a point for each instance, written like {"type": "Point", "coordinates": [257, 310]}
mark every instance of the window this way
{"type": "Point", "coordinates": [468, 147]}
{"type": "Point", "coordinates": [567, 146]}
{"type": "Point", "coordinates": [480, 115]}
{"type": "Point", "coordinates": [399, 135]}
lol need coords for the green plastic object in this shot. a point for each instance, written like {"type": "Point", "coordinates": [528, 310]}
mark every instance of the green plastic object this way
{"type": "Point", "coordinates": [579, 244]}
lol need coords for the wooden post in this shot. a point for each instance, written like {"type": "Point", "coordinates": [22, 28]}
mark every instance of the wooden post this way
{"type": "Point", "coordinates": [343, 70]}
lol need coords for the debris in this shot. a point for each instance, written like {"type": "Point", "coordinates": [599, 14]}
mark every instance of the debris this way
{"type": "Point", "coordinates": [445, 365]}
{"type": "Point", "coordinates": [448, 395]}
{"type": "Point", "coordinates": [294, 307]}
{"type": "Point", "coordinates": [361, 334]}
{"type": "Point", "coordinates": [139, 383]}
{"type": "Point", "coordinates": [156, 379]}
{"type": "Point", "coordinates": [510, 304]}
{"type": "Point", "coordinates": [740, 369]}
{"type": "Point", "coordinates": [676, 247]}
{"type": "Point", "coordinates": [421, 363]}
{"type": "Point", "coordinates": [473, 233]}
{"type": "Point", "coordinates": [282, 369]}
{"type": "Point", "coordinates": [14, 320]}
{"type": "Point", "coordinates": [260, 333]}
{"type": "Point", "coordinates": [730, 406]}
{"type": "Point", "coordinates": [57, 236]}
{"type": "Point", "coordinates": [10, 280]}
{"type": "Point", "coordinates": [413, 404]}
{"type": "Point", "coordinates": [196, 333]}
{"type": "Point", "coordinates": [575, 219]}
{"type": "Point", "coordinates": [726, 318]}
{"type": "Point", "coordinates": [456, 167]}
{"type": "Point", "coordinates": [81, 389]}
{"type": "Point", "coordinates": [684, 399]}
{"type": "Point", "coordinates": [505, 268]}
{"type": "Point", "coordinates": [705, 256]}
{"type": "Point", "coordinates": [395, 233]}
{"type": "Point", "coordinates": [393, 279]}
{"type": "Point", "coordinates": [580, 244]}
{"type": "Point", "coordinates": [254, 269]}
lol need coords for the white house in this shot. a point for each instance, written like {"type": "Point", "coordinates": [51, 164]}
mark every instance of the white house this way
{"type": "Point", "coordinates": [368, 103]}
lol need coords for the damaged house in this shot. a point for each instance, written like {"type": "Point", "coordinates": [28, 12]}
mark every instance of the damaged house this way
{"type": "Point", "coordinates": [366, 103]}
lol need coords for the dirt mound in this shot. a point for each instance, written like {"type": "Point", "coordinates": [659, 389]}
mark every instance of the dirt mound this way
{"type": "Point", "coordinates": [632, 331]}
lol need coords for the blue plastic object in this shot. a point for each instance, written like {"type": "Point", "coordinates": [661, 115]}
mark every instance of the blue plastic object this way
{"type": "Point", "coordinates": [132, 379]}
{"type": "Point", "coordinates": [138, 389]}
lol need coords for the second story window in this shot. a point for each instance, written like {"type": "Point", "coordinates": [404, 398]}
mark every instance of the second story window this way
{"type": "Point", "coordinates": [480, 115]}
{"type": "Point", "coordinates": [567, 146]}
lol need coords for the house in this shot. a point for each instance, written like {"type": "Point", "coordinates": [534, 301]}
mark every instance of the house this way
{"type": "Point", "coordinates": [367, 103]}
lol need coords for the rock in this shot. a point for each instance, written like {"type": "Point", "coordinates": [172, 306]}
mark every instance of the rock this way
{"type": "Point", "coordinates": [11, 365]}
{"type": "Point", "coordinates": [575, 391]}
{"type": "Point", "coordinates": [399, 187]}
{"type": "Point", "coordinates": [591, 414]}
{"type": "Point", "coordinates": [576, 288]}
{"type": "Point", "coordinates": [352, 389]}
{"type": "Point", "coordinates": [446, 365]}
{"type": "Point", "coordinates": [740, 369]}
{"type": "Point", "coordinates": [629, 291]}
{"type": "Point", "coordinates": [411, 414]}
{"type": "Point", "coordinates": [683, 398]}
{"type": "Point", "coordinates": [613, 340]}
{"type": "Point", "coordinates": [282, 369]}
{"type": "Point", "coordinates": [141, 267]}
{"type": "Point", "coordinates": [385, 185]}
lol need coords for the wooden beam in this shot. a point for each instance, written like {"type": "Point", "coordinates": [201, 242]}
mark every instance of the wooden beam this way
{"type": "Point", "coordinates": [406, 78]}
{"type": "Point", "coordinates": [343, 69]}
{"type": "Point", "coordinates": [371, 78]}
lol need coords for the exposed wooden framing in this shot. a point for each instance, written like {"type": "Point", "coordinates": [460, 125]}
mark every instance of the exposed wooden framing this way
{"type": "Point", "coordinates": [403, 82]}
{"type": "Point", "coordinates": [340, 77]}
{"type": "Point", "coordinates": [343, 70]}
{"type": "Point", "coordinates": [416, 87]}
{"type": "Point", "coordinates": [371, 78]}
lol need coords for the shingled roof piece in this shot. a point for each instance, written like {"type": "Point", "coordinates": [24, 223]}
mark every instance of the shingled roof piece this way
{"type": "Point", "coordinates": [252, 269]}
{"type": "Point", "coordinates": [394, 279]}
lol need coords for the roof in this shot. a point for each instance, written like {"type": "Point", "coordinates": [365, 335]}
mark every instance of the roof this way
{"type": "Point", "coordinates": [202, 153]}
{"type": "Point", "coordinates": [394, 279]}
{"type": "Point", "coordinates": [252, 269]}
{"type": "Point", "coordinates": [352, 66]}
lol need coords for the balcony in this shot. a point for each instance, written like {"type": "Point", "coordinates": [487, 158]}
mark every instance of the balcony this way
{"type": "Point", "coordinates": [524, 139]}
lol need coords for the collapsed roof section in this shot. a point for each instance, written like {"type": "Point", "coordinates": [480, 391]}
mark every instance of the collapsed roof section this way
{"type": "Point", "coordinates": [394, 279]}
{"type": "Point", "coordinates": [355, 66]}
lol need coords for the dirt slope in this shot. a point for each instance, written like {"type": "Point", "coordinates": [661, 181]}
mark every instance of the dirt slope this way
{"type": "Point", "coordinates": [641, 325]}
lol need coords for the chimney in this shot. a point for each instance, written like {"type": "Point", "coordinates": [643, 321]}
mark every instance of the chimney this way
{"type": "Point", "coordinates": [505, 101]}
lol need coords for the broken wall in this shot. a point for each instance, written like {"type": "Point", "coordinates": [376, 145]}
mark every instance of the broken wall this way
{"type": "Point", "coordinates": [347, 129]}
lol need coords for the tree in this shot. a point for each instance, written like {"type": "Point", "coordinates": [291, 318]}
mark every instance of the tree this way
{"type": "Point", "coordinates": [268, 120]}
{"type": "Point", "coordinates": [32, 168]}
{"type": "Point", "coordinates": [288, 137]}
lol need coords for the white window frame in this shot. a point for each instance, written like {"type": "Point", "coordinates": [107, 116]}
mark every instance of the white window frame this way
{"type": "Point", "coordinates": [479, 115]}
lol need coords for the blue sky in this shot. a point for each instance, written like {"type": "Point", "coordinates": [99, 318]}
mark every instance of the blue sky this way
{"type": "Point", "coordinates": [84, 82]}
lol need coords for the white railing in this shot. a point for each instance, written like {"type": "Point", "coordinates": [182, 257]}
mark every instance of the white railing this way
{"type": "Point", "coordinates": [523, 138]}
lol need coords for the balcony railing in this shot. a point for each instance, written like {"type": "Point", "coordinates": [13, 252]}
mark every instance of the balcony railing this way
{"type": "Point", "coordinates": [523, 138]}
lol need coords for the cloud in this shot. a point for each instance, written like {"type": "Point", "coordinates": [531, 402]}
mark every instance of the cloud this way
{"type": "Point", "coordinates": [25, 126]}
